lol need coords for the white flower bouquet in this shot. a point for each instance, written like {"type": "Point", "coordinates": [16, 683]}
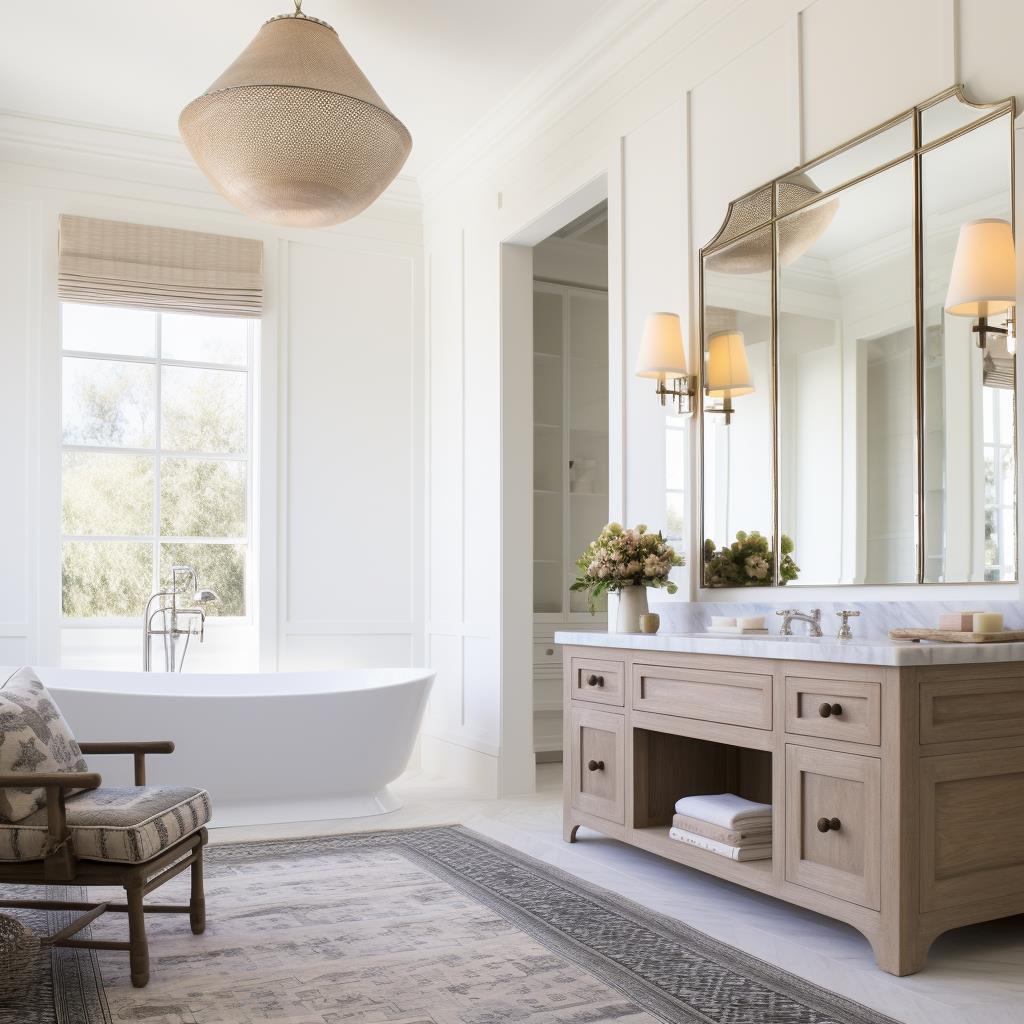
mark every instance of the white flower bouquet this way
{"type": "Point", "coordinates": [625, 558]}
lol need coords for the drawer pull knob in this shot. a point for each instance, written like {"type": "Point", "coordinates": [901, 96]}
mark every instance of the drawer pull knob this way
{"type": "Point", "coordinates": [828, 710]}
{"type": "Point", "coordinates": [595, 680]}
{"type": "Point", "coordinates": [596, 766]}
{"type": "Point", "coordinates": [549, 651]}
{"type": "Point", "coordinates": [829, 824]}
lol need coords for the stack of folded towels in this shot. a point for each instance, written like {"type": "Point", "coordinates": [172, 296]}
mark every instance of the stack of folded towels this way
{"type": "Point", "coordinates": [725, 824]}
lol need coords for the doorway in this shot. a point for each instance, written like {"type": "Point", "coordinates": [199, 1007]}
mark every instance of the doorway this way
{"type": "Point", "coordinates": [555, 285]}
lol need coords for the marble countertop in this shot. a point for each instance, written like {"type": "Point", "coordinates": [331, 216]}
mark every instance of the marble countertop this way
{"type": "Point", "coordinates": [803, 648]}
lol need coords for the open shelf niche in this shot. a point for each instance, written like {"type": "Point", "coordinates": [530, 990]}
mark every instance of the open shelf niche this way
{"type": "Point", "coordinates": [667, 767]}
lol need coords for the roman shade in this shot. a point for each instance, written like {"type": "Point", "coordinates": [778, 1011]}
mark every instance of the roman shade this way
{"type": "Point", "coordinates": [114, 263]}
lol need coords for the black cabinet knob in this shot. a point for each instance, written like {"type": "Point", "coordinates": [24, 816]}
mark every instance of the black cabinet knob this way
{"type": "Point", "coordinates": [828, 710]}
{"type": "Point", "coordinates": [596, 766]}
{"type": "Point", "coordinates": [595, 680]}
{"type": "Point", "coordinates": [829, 824]}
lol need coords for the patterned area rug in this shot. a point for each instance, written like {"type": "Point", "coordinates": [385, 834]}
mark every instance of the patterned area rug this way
{"type": "Point", "coordinates": [426, 926]}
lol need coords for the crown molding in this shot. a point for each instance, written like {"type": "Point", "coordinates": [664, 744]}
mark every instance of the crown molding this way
{"type": "Point", "coordinates": [163, 159]}
{"type": "Point", "coordinates": [624, 29]}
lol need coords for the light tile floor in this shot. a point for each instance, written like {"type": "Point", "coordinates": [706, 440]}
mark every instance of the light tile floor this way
{"type": "Point", "coordinates": [973, 976]}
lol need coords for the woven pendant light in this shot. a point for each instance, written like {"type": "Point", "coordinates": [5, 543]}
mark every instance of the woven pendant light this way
{"type": "Point", "coordinates": [292, 132]}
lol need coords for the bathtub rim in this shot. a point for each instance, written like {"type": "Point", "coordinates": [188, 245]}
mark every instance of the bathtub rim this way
{"type": "Point", "coordinates": [411, 676]}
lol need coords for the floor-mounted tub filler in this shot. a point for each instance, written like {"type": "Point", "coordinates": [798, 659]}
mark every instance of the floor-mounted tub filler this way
{"type": "Point", "coordinates": [269, 747]}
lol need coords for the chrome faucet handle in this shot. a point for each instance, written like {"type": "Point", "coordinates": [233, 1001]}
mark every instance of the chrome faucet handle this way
{"type": "Point", "coordinates": [845, 633]}
{"type": "Point", "coordinates": [786, 628]}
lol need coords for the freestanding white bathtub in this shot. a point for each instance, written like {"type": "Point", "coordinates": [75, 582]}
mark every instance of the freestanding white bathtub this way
{"type": "Point", "coordinates": [270, 747]}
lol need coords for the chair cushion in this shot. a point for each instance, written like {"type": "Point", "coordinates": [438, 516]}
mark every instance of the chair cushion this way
{"type": "Point", "coordinates": [121, 826]}
{"type": "Point", "coordinates": [33, 738]}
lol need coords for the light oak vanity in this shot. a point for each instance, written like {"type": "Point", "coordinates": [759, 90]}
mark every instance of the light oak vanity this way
{"type": "Point", "coordinates": [894, 770]}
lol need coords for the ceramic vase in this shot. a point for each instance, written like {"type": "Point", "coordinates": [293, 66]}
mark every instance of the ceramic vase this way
{"type": "Point", "coordinates": [632, 604]}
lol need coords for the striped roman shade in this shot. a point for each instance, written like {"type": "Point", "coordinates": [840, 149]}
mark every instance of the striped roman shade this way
{"type": "Point", "coordinates": [114, 263]}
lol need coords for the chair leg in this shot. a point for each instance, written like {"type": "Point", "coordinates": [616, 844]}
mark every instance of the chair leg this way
{"type": "Point", "coordinates": [197, 902]}
{"type": "Point", "coordinates": [139, 952]}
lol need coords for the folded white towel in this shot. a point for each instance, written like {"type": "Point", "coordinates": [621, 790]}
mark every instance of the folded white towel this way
{"type": "Point", "coordinates": [717, 621]}
{"type": "Point", "coordinates": [741, 853]}
{"type": "Point", "coordinates": [736, 629]}
{"type": "Point", "coordinates": [725, 809]}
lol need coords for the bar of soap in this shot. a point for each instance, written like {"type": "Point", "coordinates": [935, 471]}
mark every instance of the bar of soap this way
{"type": "Point", "coordinates": [718, 621]}
{"type": "Point", "coordinates": [988, 622]}
{"type": "Point", "coordinates": [751, 622]}
{"type": "Point", "coordinates": [962, 622]}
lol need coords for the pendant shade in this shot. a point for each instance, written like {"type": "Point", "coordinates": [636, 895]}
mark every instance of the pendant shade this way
{"type": "Point", "coordinates": [293, 133]}
{"type": "Point", "coordinates": [984, 277]}
{"type": "Point", "coordinates": [728, 371]}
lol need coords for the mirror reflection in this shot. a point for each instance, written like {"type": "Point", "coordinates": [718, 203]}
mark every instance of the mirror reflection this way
{"type": "Point", "coordinates": [847, 380]}
{"type": "Point", "coordinates": [738, 478]}
{"type": "Point", "coordinates": [859, 424]}
{"type": "Point", "coordinates": [970, 471]}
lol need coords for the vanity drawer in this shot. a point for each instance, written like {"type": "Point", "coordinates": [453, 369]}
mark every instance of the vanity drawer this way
{"type": "Point", "coordinates": [730, 697]}
{"type": "Point", "coordinates": [598, 785]}
{"type": "Point", "coordinates": [834, 709]}
{"type": "Point", "coordinates": [602, 682]}
{"type": "Point", "coordinates": [833, 824]}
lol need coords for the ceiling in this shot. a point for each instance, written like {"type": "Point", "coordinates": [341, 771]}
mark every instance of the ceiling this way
{"type": "Point", "coordinates": [440, 65]}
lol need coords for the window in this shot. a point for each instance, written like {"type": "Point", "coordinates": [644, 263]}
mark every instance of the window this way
{"type": "Point", "coordinates": [156, 411]}
{"type": "Point", "coordinates": [675, 477]}
{"type": "Point", "coordinates": [1000, 485]}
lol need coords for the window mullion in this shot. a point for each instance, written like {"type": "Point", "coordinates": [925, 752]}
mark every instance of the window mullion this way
{"type": "Point", "coordinates": [157, 462]}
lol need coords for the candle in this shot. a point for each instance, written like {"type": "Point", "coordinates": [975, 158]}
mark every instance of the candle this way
{"type": "Point", "coordinates": [649, 622]}
{"type": "Point", "coordinates": [988, 622]}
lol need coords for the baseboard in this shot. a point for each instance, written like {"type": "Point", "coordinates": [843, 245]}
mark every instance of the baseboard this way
{"type": "Point", "coordinates": [472, 769]}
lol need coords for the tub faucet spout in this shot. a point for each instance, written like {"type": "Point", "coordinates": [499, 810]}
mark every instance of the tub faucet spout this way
{"type": "Point", "coordinates": [174, 622]}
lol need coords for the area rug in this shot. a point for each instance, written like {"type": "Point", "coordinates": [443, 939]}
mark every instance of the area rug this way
{"type": "Point", "coordinates": [424, 926]}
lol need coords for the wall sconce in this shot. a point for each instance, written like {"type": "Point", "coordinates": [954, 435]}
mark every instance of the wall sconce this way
{"type": "Point", "coordinates": [984, 278]}
{"type": "Point", "coordinates": [662, 357]}
{"type": "Point", "coordinates": [728, 371]}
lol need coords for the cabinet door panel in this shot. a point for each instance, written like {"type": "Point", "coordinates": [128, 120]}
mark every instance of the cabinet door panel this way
{"type": "Point", "coordinates": [597, 763]}
{"type": "Point", "coordinates": [844, 792]}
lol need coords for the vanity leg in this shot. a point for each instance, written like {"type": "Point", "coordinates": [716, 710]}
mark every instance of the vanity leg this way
{"type": "Point", "coordinates": [898, 958]}
{"type": "Point", "coordinates": [569, 832]}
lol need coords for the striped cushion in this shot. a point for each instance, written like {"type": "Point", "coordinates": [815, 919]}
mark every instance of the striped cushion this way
{"type": "Point", "coordinates": [122, 826]}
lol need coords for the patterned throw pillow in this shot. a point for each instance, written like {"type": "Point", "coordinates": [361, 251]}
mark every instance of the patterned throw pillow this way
{"type": "Point", "coordinates": [33, 738]}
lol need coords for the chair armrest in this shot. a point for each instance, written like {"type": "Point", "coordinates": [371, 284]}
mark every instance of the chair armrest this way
{"type": "Point", "coordinates": [62, 780]}
{"type": "Point", "coordinates": [139, 747]}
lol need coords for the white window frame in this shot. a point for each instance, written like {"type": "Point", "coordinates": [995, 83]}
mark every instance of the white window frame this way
{"type": "Point", "coordinates": [156, 453]}
{"type": "Point", "coordinates": [1004, 508]}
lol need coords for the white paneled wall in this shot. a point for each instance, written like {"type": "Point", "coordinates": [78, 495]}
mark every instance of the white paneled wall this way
{"type": "Point", "coordinates": [337, 575]}
{"type": "Point", "coordinates": [684, 108]}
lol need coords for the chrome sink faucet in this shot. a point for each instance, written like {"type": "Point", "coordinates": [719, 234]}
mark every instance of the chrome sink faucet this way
{"type": "Point", "coordinates": [175, 622]}
{"type": "Point", "coordinates": [791, 615]}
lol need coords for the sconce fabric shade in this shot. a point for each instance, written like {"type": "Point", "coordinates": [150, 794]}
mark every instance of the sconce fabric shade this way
{"type": "Point", "coordinates": [728, 371]}
{"type": "Point", "coordinates": [662, 355]}
{"type": "Point", "coordinates": [984, 277]}
{"type": "Point", "coordinates": [293, 133]}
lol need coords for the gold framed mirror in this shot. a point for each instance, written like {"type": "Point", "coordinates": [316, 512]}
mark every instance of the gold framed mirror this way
{"type": "Point", "coordinates": [858, 399]}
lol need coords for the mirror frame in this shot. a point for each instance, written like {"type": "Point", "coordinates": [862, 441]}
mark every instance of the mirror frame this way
{"type": "Point", "coordinates": [728, 234]}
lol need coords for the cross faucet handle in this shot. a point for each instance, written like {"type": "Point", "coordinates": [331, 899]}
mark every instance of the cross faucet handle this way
{"type": "Point", "coordinates": [845, 633]}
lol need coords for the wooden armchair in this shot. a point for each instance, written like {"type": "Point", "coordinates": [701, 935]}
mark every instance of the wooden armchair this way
{"type": "Point", "coordinates": [159, 832]}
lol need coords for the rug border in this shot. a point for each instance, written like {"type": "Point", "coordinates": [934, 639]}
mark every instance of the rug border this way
{"type": "Point", "coordinates": [725, 955]}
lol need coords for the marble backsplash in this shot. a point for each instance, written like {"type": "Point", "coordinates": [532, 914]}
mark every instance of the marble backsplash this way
{"type": "Point", "coordinates": [875, 621]}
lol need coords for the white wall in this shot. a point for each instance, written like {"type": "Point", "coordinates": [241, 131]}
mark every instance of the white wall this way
{"type": "Point", "coordinates": [339, 510]}
{"type": "Point", "coordinates": [682, 107]}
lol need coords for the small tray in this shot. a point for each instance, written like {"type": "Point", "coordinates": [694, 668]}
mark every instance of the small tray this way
{"type": "Point", "coordinates": [955, 636]}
